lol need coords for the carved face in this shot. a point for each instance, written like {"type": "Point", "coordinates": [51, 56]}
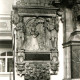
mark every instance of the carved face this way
{"type": "Point", "coordinates": [50, 24]}
{"type": "Point", "coordinates": [15, 18]}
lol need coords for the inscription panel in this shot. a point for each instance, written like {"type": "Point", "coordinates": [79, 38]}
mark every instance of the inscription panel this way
{"type": "Point", "coordinates": [36, 56]}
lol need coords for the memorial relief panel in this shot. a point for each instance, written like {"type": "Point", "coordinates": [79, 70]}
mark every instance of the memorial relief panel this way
{"type": "Point", "coordinates": [37, 34]}
{"type": "Point", "coordinates": [36, 41]}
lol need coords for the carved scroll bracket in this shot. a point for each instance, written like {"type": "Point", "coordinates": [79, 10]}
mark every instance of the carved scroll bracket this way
{"type": "Point", "coordinates": [54, 62]}
{"type": "Point", "coordinates": [20, 62]}
{"type": "Point", "coordinates": [60, 13]}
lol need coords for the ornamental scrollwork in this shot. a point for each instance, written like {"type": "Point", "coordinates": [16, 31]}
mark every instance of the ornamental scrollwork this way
{"type": "Point", "coordinates": [37, 71]}
{"type": "Point", "coordinates": [20, 62]}
{"type": "Point", "coordinates": [54, 62]}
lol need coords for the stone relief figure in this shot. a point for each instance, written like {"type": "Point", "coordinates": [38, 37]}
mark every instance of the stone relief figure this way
{"type": "Point", "coordinates": [18, 21]}
{"type": "Point", "coordinates": [41, 37]}
{"type": "Point", "coordinates": [31, 42]}
{"type": "Point", "coordinates": [52, 32]}
{"type": "Point", "coordinates": [20, 33]}
{"type": "Point", "coordinates": [21, 55]}
{"type": "Point", "coordinates": [41, 34]}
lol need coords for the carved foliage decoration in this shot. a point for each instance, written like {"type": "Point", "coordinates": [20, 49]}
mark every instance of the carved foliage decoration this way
{"type": "Point", "coordinates": [20, 29]}
{"type": "Point", "coordinates": [37, 71]}
{"type": "Point", "coordinates": [43, 30]}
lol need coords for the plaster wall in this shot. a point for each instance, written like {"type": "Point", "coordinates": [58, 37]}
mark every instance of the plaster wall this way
{"type": "Point", "coordinates": [6, 6]}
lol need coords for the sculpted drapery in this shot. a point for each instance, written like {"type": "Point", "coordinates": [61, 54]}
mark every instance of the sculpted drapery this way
{"type": "Point", "coordinates": [40, 33]}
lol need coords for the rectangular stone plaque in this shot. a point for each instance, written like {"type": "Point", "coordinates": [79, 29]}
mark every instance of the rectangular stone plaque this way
{"type": "Point", "coordinates": [36, 56]}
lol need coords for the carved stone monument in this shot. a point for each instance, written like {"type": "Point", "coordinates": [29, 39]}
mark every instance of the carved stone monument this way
{"type": "Point", "coordinates": [36, 39]}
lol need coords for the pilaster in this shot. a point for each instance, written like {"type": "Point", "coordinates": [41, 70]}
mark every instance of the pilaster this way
{"type": "Point", "coordinates": [71, 49]}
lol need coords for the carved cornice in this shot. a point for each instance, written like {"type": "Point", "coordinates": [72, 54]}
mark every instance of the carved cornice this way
{"type": "Point", "coordinates": [48, 3]}
{"type": "Point", "coordinates": [44, 3]}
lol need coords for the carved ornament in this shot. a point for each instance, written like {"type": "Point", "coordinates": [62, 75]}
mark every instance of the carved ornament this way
{"type": "Point", "coordinates": [37, 71]}
{"type": "Point", "coordinates": [20, 62]}
{"type": "Point", "coordinates": [36, 2]}
{"type": "Point", "coordinates": [54, 62]}
{"type": "Point", "coordinates": [43, 30]}
{"type": "Point", "coordinates": [26, 68]}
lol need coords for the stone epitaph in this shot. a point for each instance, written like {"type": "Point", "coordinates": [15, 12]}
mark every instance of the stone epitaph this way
{"type": "Point", "coordinates": [36, 35]}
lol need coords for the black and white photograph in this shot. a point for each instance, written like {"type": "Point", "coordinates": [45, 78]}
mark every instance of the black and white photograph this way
{"type": "Point", "coordinates": [39, 39]}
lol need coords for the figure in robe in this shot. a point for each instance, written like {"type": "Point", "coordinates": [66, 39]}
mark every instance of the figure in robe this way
{"type": "Point", "coordinates": [31, 43]}
{"type": "Point", "coordinates": [20, 33]}
{"type": "Point", "coordinates": [41, 37]}
{"type": "Point", "coordinates": [52, 34]}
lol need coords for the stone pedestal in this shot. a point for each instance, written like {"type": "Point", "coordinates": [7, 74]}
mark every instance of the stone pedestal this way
{"type": "Point", "coordinates": [71, 58]}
